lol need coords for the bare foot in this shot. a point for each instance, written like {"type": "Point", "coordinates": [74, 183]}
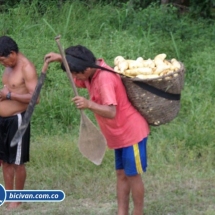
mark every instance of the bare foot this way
{"type": "Point", "coordinates": [13, 205]}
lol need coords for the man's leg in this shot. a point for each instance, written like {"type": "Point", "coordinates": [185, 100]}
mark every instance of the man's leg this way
{"type": "Point", "coordinates": [137, 190]}
{"type": "Point", "coordinates": [123, 191]}
{"type": "Point", "coordinates": [20, 176]}
{"type": "Point", "coordinates": [8, 175]}
{"type": "Point", "coordinates": [14, 173]}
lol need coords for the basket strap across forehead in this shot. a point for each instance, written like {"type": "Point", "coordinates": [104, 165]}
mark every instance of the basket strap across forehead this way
{"type": "Point", "coordinates": [158, 92]}
{"type": "Point", "coordinates": [77, 61]}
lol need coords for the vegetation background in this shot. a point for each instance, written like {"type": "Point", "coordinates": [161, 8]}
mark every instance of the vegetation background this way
{"type": "Point", "coordinates": [181, 154]}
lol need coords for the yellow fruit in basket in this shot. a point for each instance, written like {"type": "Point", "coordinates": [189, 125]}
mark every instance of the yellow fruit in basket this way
{"type": "Point", "coordinates": [153, 76]}
{"type": "Point", "coordinates": [148, 63]}
{"type": "Point", "coordinates": [176, 64]}
{"type": "Point", "coordinates": [160, 56]}
{"type": "Point", "coordinates": [141, 68]}
{"type": "Point", "coordinates": [123, 65]}
{"type": "Point", "coordinates": [141, 76]}
{"type": "Point", "coordinates": [170, 71]}
{"type": "Point", "coordinates": [130, 72]}
{"type": "Point", "coordinates": [140, 59]}
{"type": "Point", "coordinates": [172, 60]}
{"type": "Point", "coordinates": [132, 64]}
{"type": "Point", "coordinates": [161, 67]}
{"type": "Point", "coordinates": [164, 72]}
{"type": "Point", "coordinates": [118, 59]}
{"type": "Point", "coordinates": [147, 76]}
{"type": "Point", "coordinates": [140, 64]}
{"type": "Point", "coordinates": [139, 71]}
{"type": "Point", "coordinates": [159, 59]}
{"type": "Point", "coordinates": [169, 64]}
{"type": "Point", "coordinates": [144, 71]}
{"type": "Point", "coordinates": [116, 69]}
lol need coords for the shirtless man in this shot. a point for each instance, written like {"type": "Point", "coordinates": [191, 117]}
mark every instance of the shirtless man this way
{"type": "Point", "coordinates": [19, 81]}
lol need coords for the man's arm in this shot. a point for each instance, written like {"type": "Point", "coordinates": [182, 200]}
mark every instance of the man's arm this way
{"type": "Point", "coordinates": [106, 111]}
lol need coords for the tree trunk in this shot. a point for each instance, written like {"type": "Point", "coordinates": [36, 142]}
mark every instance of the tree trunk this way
{"type": "Point", "coordinates": [180, 2]}
{"type": "Point", "coordinates": [164, 1]}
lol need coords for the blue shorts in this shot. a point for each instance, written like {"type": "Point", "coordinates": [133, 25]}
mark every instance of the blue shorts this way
{"type": "Point", "coordinates": [132, 159]}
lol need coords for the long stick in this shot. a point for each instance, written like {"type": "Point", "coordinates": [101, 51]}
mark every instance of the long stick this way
{"type": "Point", "coordinates": [67, 68]}
{"type": "Point", "coordinates": [66, 65]}
{"type": "Point", "coordinates": [92, 143]}
{"type": "Point", "coordinates": [30, 109]}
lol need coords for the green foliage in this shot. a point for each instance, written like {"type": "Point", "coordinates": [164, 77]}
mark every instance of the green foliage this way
{"type": "Point", "coordinates": [110, 31]}
{"type": "Point", "coordinates": [180, 154]}
{"type": "Point", "coordinates": [201, 8]}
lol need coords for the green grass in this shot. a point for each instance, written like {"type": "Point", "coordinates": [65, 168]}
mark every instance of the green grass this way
{"type": "Point", "coordinates": [180, 176]}
{"type": "Point", "coordinates": [176, 182]}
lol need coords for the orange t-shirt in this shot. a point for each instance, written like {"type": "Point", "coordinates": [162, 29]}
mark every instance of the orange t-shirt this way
{"type": "Point", "coordinates": [128, 127]}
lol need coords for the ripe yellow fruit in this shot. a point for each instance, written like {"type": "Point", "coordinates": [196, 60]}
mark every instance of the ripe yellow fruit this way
{"type": "Point", "coordinates": [118, 59]}
{"type": "Point", "coordinates": [146, 69]}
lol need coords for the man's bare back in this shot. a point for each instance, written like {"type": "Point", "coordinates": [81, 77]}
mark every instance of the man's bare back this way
{"type": "Point", "coordinates": [20, 79]}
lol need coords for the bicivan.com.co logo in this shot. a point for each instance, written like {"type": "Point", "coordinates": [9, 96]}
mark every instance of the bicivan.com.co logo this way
{"type": "Point", "coordinates": [30, 195]}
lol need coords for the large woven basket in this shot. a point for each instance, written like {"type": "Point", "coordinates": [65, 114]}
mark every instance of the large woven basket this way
{"type": "Point", "coordinates": [157, 100]}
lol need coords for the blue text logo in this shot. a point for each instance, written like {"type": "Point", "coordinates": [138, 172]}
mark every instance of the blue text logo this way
{"type": "Point", "coordinates": [30, 195]}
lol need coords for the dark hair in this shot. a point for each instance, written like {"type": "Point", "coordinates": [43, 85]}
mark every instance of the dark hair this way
{"type": "Point", "coordinates": [7, 45]}
{"type": "Point", "coordinates": [79, 58]}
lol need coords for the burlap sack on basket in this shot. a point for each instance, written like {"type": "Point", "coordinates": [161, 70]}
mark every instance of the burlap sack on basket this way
{"type": "Point", "coordinates": [157, 100]}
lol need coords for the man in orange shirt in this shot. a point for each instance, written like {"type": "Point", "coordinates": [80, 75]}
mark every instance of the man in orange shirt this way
{"type": "Point", "coordinates": [125, 130]}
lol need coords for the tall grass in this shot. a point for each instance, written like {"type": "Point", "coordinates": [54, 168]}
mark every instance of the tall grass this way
{"type": "Point", "coordinates": [146, 33]}
{"type": "Point", "coordinates": [181, 153]}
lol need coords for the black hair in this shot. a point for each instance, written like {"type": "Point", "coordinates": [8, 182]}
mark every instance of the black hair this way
{"type": "Point", "coordinates": [7, 45]}
{"type": "Point", "coordinates": [79, 58]}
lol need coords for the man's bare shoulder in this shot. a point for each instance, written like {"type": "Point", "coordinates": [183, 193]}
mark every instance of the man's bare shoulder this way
{"type": "Point", "coordinates": [27, 65]}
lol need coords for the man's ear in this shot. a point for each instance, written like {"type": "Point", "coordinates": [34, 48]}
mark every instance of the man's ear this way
{"type": "Point", "coordinates": [13, 54]}
{"type": "Point", "coordinates": [90, 69]}
{"type": "Point", "coordinates": [87, 69]}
